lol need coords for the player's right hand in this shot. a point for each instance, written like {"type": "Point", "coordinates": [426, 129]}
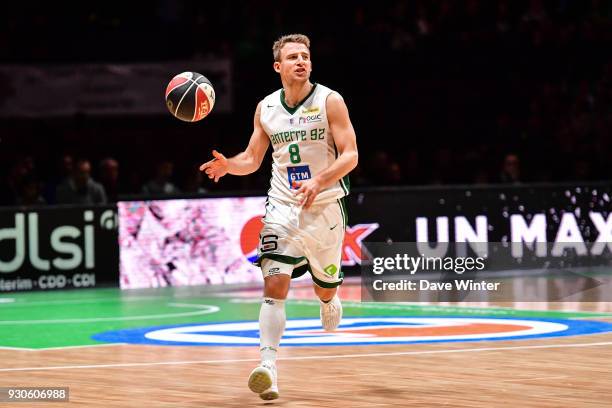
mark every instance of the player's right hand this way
{"type": "Point", "coordinates": [215, 168]}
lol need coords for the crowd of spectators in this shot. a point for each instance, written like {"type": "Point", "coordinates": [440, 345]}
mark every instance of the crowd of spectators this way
{"type": "Point", "coordinates": [440, 92]}
{"type": "Point", "coordinates": [72, 182]}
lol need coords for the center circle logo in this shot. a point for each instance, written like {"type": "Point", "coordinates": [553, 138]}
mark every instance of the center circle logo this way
{"type": "Point", "coordinates": [360, 331]}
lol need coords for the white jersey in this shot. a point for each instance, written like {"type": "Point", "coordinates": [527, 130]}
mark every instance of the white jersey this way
{"type": "Point", "coordinates": [302, 142]}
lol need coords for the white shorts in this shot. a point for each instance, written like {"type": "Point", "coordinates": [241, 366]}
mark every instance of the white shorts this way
{"type": "Point", "coordinates": [294, 240]}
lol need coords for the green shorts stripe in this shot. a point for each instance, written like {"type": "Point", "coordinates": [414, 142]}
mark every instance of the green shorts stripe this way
{"type": "Point", "coordinates": [328, 285]}
{"type": "Point", "coordinates": [291, 260]}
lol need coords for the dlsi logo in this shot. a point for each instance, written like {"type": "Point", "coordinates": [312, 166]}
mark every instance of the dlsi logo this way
{"type": "Point", "coordinates": [108, 220]}
{"type": "Point", "coordinates": [69, 254]}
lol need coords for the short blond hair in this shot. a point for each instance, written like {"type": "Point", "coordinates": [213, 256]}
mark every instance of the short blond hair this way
{"type": "Point", "coordinates": [289, 38]}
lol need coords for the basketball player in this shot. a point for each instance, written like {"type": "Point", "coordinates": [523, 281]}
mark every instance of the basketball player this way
{"type": "Point", "coordinates": [314, 148]}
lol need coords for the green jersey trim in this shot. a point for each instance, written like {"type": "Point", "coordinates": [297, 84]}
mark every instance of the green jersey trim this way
{"type": "Point", "coordinates": [345, 182]}
{"type": "Point", "coordinates": [343, 211]}
{"type": "Point", "coordinates": [290, 110]}
{"type": "Point", "coordinates": [300, 270]}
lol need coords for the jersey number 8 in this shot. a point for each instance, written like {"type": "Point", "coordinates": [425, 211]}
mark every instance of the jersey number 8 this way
{"type": "Point", "coordinates": [294, 153]}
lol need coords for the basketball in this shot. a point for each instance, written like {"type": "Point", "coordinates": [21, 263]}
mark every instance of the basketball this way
{"type": "Point", "coordinates": [190, 96]}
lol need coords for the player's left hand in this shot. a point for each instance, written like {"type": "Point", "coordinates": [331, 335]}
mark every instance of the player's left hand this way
{"type": "Point", "coordinates": [309, 190]}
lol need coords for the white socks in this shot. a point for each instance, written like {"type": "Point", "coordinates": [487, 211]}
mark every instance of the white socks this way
{"type": "Point", "coordinates": [271, 327]}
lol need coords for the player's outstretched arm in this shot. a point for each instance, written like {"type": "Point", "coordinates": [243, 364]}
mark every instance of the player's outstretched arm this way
{"type": "Point", "coordinates": [243, 163]}
{"type": "Point", "coordinates": [346, 143]}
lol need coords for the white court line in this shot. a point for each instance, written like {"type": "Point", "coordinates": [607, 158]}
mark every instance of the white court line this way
{"type": "Point", "coordinates": [16, 348]}
{"type": "Point", "coordinates": [558, 377]}
{"type": "Point", "coordinates": [488, 310]}
{"type": "Point", "coordinates": [62, 347]}
{"type": "Point", "coordinates": [330, 357]}
{"type": "Point", "coordinates": [83, 300]}
{"type": "Point", "coordinates": [76, 347]}
{"type": "Point", "coordinates": [206, 309]}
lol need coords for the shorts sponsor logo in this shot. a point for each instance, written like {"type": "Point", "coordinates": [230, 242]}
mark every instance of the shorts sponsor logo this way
{"type": "Point", "coordinates": [330, 269]}
{"type": "Point", "coordinates": [273, 271]}
{"type": "Point", "coordinates": [361, 331]}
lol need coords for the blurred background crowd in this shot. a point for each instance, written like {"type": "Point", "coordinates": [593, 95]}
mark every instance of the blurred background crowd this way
{"type": "Point", "coordinates": [440, 92]}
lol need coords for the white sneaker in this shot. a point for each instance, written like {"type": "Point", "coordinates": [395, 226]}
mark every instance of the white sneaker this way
{"type": "Point", "coordinates": [270, 394]}
{"type": "Point", "coordinates": [331, 314]}
{"type": "Point", "coordinates": [263, 381]}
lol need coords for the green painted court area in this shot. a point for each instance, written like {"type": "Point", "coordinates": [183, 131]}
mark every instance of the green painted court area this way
{"type": "Point", "coordinates": [38, 320]}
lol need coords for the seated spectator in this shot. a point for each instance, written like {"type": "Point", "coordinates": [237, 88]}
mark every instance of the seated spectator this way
{"type": "Point", "coordinates": [193, 181]}
{"type": "Point", "coordinates": [582, 170]}
{"type": "Point", "coordinates": [22, 167]}
{"type": "Point", "coordinates": [161, 183]}
{"type": "Point", "coordinates": [444, 168]}
{"type": "Point", "coordinates": [80, 188]}
{"type": "Point", "coordinates": [385, 170]}
{"type": "Point", "coordinates": [29, 191]}
{"type": "Point", "coordinates": [64, 166]}
{"type": "Point", "coordinates": [511, 169]}
{"type": "Point", "coordinates": [357, 177]}
{"type": "Point", "coordinates": [9, 186]}
{"type": "Point", "coordinates": [109, 178]}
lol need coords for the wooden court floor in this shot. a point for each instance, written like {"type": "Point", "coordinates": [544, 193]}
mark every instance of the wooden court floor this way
{"type": "Point", "coordinates": [573, 371]}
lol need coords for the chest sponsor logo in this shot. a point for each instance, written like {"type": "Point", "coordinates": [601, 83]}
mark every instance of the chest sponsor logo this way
{"type": "Point", "coordinates": [298, 173]}
{"type": "Point", "coordinates": [311, 111]}
{"type": "Point", "coordinates": [308, 119]}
